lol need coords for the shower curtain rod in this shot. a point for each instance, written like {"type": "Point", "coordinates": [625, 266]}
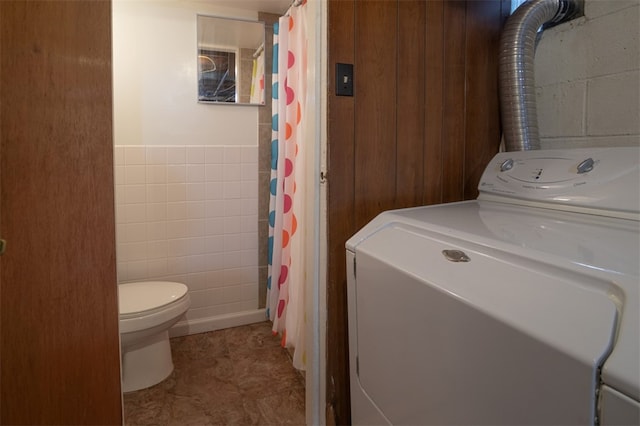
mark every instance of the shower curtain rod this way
{"type": "Point", "coordinates": [294, 3]}
{"type": "Point", "coordinates": [258, 51]}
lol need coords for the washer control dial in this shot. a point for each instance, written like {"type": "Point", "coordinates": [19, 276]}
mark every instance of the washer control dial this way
{"type": "Point", "coordinates": [586, 166]}
{"type": "Point", "coordinates": [506, 165]}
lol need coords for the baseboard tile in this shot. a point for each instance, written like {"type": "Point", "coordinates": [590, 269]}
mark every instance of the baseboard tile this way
{"type": "Point", "coordinates": [219, 322]}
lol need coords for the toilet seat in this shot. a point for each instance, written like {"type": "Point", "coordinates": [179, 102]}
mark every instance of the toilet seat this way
{"type": "Point", "coordinates": [138, 297]}
{"type": "Point", "coordinates": [144, 305]}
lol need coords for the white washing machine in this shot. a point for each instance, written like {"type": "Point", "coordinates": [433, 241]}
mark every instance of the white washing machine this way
{"type": "Point", "coordinates": [520, 307]}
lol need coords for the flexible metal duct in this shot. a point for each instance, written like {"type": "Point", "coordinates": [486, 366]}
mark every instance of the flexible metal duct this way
{"type": "Point", "coordinates": [517, 86]}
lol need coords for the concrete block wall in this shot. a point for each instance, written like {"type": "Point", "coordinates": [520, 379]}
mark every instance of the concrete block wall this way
{"type": "Point", "coordinates": [587, 75]}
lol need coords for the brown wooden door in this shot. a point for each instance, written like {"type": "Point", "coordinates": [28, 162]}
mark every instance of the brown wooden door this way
{"type": "Point", "coordinates": [60, 361]}
{"type": "Point", "coordinates": [421, 126]}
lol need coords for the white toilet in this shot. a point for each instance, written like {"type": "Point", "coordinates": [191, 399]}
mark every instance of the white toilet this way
{"type": "Point", "coordinates": [147, 311]}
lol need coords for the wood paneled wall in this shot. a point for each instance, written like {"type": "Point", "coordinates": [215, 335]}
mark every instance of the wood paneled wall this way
{"type": "Point", "coordinates": [60, 358]}
{"type": "Point", "coordinates": [421, 126]}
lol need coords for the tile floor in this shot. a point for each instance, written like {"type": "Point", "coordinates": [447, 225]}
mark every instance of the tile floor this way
{"type": "Point", "coordinates": [237, 376]}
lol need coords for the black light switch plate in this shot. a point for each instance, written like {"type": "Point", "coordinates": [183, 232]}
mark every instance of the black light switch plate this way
{"type": "Point", "coordinates": [344, 79]}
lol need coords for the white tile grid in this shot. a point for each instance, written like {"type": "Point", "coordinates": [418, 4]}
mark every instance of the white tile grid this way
{"type": "Point", "coordinates": [189, 214]}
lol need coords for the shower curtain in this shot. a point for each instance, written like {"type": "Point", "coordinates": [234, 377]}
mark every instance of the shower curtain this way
{"type": "Point", "coordinates": [286, 279]}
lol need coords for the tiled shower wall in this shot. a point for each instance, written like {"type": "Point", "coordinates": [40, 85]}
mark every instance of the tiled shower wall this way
{"type": "Point", "coordinates": [190, 214]}
{"type": "Point", "coordinates": [264, 158]}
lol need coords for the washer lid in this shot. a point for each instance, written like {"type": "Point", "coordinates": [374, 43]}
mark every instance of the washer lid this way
{"type": "Point", "coordinates": [606, 249]}
{"type": "Point", "coordinates": [144, 296]}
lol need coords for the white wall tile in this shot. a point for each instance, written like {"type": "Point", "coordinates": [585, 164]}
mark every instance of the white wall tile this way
{"type": "Point", "coordinates": [118, 155]}
{"type": "Point", "coordinates": [232, 242]}
{"type": "Point", "coordinates": [157, 267]}
{"type": "Point", "coordinates": [249, 189]}
{"type": "Point", "coordinates": [233, 259]}
{"type": "Point", "coordinates": [156, 155]}
{"type": "Point", "coordinates": [214, 172]}
{"type": "Point", "coordinates": [195, 154]}
{"type": "Point", "coordinates": [249, 224]}
{"type": "Point", "coordinates": [176, 155]}
{"type": "Point", "coordinates": [196, 192]}
{"type": "Point", "coordinates": [156, 211]}
{"type": "Point", "coordinates": [173, 223]}
{"type": "Point", "coordinates": [195, 173]}
{"type": "Point", "coordinates": [215, 208]}
{"type": "Point", "coordinates": [214, 191]}
{"type": "Point", "coordinates": [133, 251]}
{"type": "Point", "coordinates": [177, 229]}
{"type": "Point", "coordinates": [241, 275]}
{"type": "Point", "coordinates": [233, 207]}
{"type": "Point", "coordinates": [231, 172]}
{"type": "Point", "coordinates": [177, 265]}
{"type": "Point", "coordinates": [121, 270]}
{"type": "Point", "coordinates": [215, 261]}
{"type": "Point", "coordinates": [249, 292]}
{"type": "Point", "coordinates": [197, 281]}
{"type": "Point", "coordinates": [134, 194]}
{"type": "Point", "coordinates": [134, 155]}
{"type": "Point", "coordinates": [157, 231]}
{"type": "Point", "coordinates": [232, 155]}
{"type": "Point", "coordinates": [249, 207]}
{"type": "Point", "coordinates": [214, 244]}
{"type": "Point", "coordinates": [232, 225]}
{"type": "Point", "coordinates": [156, 174]}
{"type": "Point", "coordinates": [156, 193]}
{"type": "Point", "coordinates": [134, 175]}
{"type": "Point", "coordinates": [196, 209]}
{"type": "Point", "coordinates": [135, 213]}
{"type": "Point", "coordinates": [249, 154]}
{"type": "Point", "coordinates": [214, 226]}
{"type": "Point", "coordinates": [178, 247]}
{"type": "Point", "coordinates": [214, 155]}
{"type": "Point", "coordinates": [196, 227]}
{"type": "Point", "coordinates": [120, 213]}
{"type": "Point", "coordinates": [176, 192]}
{"type": "Point", "coordinates": [137, 270]}
{"type": "Point", "coordinates": [215, 278]}
{"type": "Point", "coordinates": [248, 257]}
{"type": "Point", "coordinates": [134, 232]}
{"type": "Point", "coordinates": [248, 241]}
{"type": "Point", "coordinates": [118, 175]}
{"type": "Point", "coordinates": [232, 190]}
{"type": "Point", "coordinates": [249, 172]}
{"type": "Point", "coordinates": [158, 250]}
{"type": "Point", "coordinates": [176, 173]}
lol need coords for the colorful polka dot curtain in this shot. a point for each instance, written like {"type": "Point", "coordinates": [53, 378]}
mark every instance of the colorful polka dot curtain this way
{"type": "Point", "coordinates": [286, 279]}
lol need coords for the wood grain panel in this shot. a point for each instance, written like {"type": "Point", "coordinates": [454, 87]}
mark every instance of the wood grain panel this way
{"type": "Point", "coordinates": [340, 209]}
{"type": "Point", "coordinates": [375, 109]}
{"type": "Point", "coordinates": [454, 101]}
{"type": "Point", "coordinates": [434, 97]}
{"type": "Point", "coordinates": [410, 103]}
{"type": "Point", "coordinates": [484, 20]}
{"type": "Point", "coordinates": [60, 352]}
{"type": "Point", "coordinates": [420, 126]}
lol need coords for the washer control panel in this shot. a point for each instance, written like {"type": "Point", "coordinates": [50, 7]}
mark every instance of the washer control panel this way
{"type": "Point", "coordinates": [593, 178]}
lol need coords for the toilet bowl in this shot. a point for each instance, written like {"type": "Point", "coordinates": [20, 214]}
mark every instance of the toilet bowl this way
{"type": "Point", "coordinates": [147, 311]}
